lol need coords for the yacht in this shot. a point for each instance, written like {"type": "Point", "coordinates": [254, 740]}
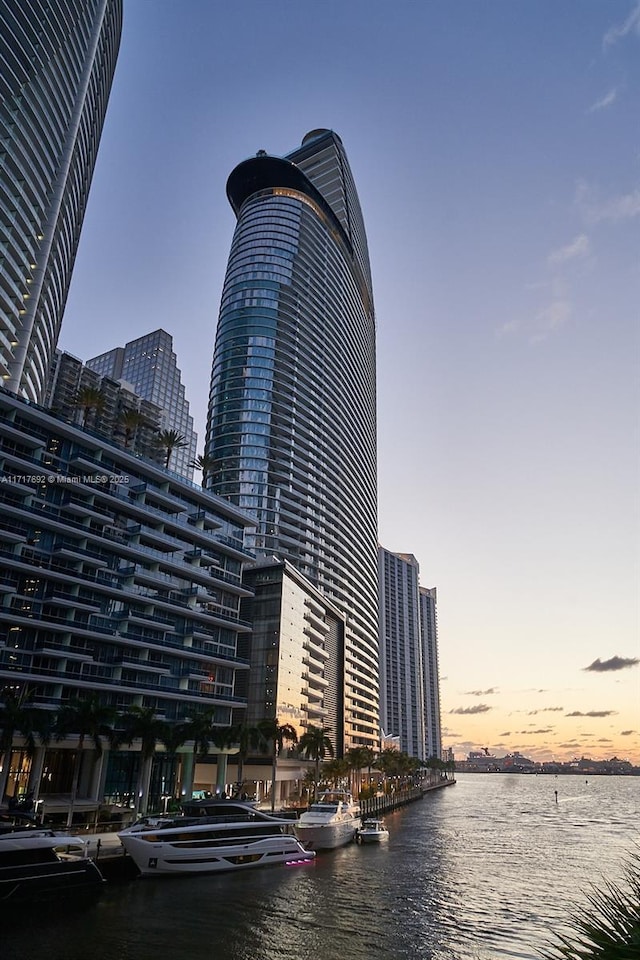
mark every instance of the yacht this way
{"type": "Point", "coordinates": [39, 865]}
{"type": "Point", "coordinates": [372, 831]}
{"type": "Point", "coordinates": [330, 822]}
{"type": "Point", "coordinates": [210, 836]}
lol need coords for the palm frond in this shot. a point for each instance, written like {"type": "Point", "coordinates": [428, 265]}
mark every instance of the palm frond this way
{"type": "Point", "coordinates": [609, 927]}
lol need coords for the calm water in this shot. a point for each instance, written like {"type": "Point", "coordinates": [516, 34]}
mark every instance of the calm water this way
{"type": "Point", "coordinates": [480, 870]}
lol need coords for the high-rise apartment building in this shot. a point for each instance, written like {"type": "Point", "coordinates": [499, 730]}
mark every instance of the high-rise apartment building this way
{"type": "Point", "coordinates": [292, 410]}
{"type": "Point", "coordinates": [429, 633]}
{"type": "Point", "coordinates": [401, 667]}
{"type": "Point", "coordinates": [121, 416]}
{"type": "Point", "coordinates": [409, 678]}
{"type": "Point", "coordinates": [117, 579]}
{"type": "Point", "coordinates": [149, 364]}
{"type": "Point", "coordinates": [57, 59]}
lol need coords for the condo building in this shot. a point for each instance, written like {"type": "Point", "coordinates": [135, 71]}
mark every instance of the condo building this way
{"type": "Point", "coordinates": [402, 703]}
{"type": "Point", "coordinates": [116, 411]}
{"type": "Point", "coordinates": [294, 651]}
{"type": "Point", "coordinates": [117, 578]}
{"type": "Point", "coordinates": [150, 365]}
{"type": "Point", "coordinates": [292, 411]}
{"type": "Point", "coordinates": [58, 59]}
{"type": "Point", "coordinates": [409, 678]}
{"type": "Point", "coordinates": [429, 635]}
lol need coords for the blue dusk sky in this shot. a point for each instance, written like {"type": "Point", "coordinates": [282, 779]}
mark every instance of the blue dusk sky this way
{"type": "Point", "coordinates": [496, 149]}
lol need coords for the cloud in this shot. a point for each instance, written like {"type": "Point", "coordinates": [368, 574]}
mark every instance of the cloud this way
{"type": "Point", "coordinates": [529, 732]}
{"type": "Point", "coordinates": [622, 30]}
{"type": "Point", "coordinates": [532, 713]}
{"type": "Point", "coordinates": [614, 663]}
{"type": "Point", "coordinates": [577, 248]}
{"type": "Point", "coordinates": [479, 708]}
{"type": "Point", "coordinates": [481, 693]}
{"type": "Point", "coordinates": [614, 209]}
{"type": "Point", "coordinates": [507, 733]}
{"type": "Point", "coordinates": [604, 102]}
{"type": "Point", "coordinates": [592, 713]}
{"type": "Point", "coordinates": [551, 318]}
{"type": "Point", "coordinates": [626, 733]}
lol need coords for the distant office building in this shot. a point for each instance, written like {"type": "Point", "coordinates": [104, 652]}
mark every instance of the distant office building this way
{"type": "Point", "coordinates": [431, 668]}
{"type": "Point", "coordinates": [116, 579]}
{"type": "Point", "coordinates": [120, 415]}
{"type": "Point", "coordinates": [292, 412]}
{"type": "Point", "coordinates": [402, 696]}
{"type": "Point", "coordinates": [150, 366]}
{"type": "Point", "coordinates": [58, 58]}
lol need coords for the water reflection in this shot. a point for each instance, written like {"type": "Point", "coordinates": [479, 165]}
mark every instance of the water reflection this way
{"type": "Point", "coordinates": [479, 871]}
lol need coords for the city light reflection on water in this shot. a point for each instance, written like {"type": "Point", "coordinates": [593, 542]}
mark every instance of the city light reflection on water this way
{"type": "Point", "coordinates": [482, 870]}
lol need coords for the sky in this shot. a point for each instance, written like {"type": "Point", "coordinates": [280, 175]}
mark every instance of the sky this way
{"type": "Point", "coordinates": [496, 149]}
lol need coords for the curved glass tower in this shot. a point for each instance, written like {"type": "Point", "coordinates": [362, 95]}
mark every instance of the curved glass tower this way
{"type": "Point", "coordinates": [57, 59]}
{"type": "Point", "coordinates": [292, 409]}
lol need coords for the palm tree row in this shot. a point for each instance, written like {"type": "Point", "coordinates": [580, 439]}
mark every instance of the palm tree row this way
{"type": "Point", "coordinates": [92, 721]}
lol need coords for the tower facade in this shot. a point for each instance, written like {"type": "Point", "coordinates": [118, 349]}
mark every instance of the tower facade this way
{"type": "Point", "coordinates": [150, 366]}
{"type": "Point", "coordinates": [292, 410]}
{"type": "Point", "coordinates": [429, 633]}
{"type": "Point", "coordinates": [58, 58]}
{"type": "Point", "coordinates": [401, 653]}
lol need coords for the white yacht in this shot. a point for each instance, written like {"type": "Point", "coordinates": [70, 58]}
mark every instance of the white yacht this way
{"type": "Point", "coordinates": [211, 836]}
{"type": "Point", "coordinates": [40, 866]}
{"type": "Point", "coordinates": [372, 831]}
{"type": "Point", "coordinates": [330, 822]}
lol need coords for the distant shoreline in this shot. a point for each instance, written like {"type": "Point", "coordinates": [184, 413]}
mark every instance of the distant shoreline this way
{"type": "Point", "coordinates": [634, 772]}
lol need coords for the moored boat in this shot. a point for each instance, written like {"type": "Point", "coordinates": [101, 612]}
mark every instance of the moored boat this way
{"type": "Point", "coordinates": [39, 866]}
{"type": "Point", "coordinates": [330, 822]}
{"type": "Point", "coordinates": [372, 831]}
{"type": "Point", "coordinates": [212, 836]}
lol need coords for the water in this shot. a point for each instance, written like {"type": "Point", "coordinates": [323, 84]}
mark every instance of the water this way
{"type": "Point", "coordinates": [482, 870]}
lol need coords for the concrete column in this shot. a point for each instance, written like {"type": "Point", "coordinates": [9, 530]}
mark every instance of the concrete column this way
{"type": "Point", "coordinates": [221, 778]}
{"type": "Point", "coordinates": [35, 776]}
{"type": "Point", "coordinates": [188, 768]}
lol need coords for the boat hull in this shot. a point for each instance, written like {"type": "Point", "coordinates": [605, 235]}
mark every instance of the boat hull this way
{"type": "Point", "coordinates": [327, 836]}
{"type": "Point", "coordinates": [377, 837]}
{"type": "Point", "coordinates": [174, 858]}
{"type": "Point", "coordinates": [67, 880]}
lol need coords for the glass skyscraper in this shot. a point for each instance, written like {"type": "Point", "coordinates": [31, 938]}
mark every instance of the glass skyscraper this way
{"type": "Point", "coordinates": [292, 409]}
{"type": "Point", "coordinates": [57, 59]}
{"type": "Point", "coordinates": [150, 365]}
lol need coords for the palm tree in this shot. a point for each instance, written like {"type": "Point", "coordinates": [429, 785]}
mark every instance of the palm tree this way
{"type": "Point", "coordinates": [248, 738]}
{"type": "Point", "coordinates": [172, 739]}
{"type": "Point", "coordinates": [88, 718]}
{"type": "Point", "coordinates": [17, 715]}
{"type": "Point", "coordinates": [334, 771]}
{"type": "Point", "coordinates": [170, 440]}
{"type": "Point", "coordinates": [89, 399]}
{"type": "Point", "coordinates": [609, 928]}
{"type": "Point", "coordinates": [315, 745]}
{"type": "Point", "coordinates": [200, 728]}
{"type": "Point", "coordinates": [141, 723]}
{"type": "Point", "coordinates": [203, 462]}
{"type": "Point", "coordinates": [357, 758]}
{"type": "Point", "coordinates": [130, 420]}
{"type": "Point", "coordinates": [277, 734]}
